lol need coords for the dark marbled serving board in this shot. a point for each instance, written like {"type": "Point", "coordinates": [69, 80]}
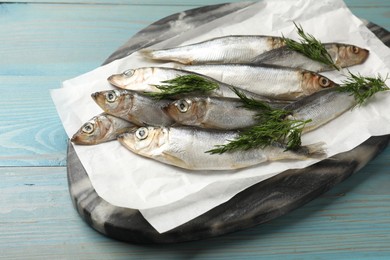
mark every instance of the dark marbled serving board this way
{"type": "Point", "coordinates": [257, 204]}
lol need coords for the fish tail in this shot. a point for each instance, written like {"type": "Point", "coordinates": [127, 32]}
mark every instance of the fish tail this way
{"type": "Point", "coordinates": [147, 53]}
{"type": "Point", "coordinates": [315, 150]}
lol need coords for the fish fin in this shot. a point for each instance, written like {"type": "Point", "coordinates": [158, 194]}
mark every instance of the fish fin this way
{"type": "Point", "coordinates": [315, 150]}
{"type": "Point", "coordinates": [174, 160]}
{"type": "Point", "coordinates": [263, 58]}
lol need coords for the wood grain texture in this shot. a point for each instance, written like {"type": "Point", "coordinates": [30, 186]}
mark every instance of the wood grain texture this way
{"type": "Point", "coordinates": [30, 130]}
{"type": "Point", "coordinates": [49, 44]}
{"type": "Point", "coordinates": [43, 44]}
{"type": "Point", "coordinates": [66, 40]}
{"type": "Point", "coordinates": [352, 3]}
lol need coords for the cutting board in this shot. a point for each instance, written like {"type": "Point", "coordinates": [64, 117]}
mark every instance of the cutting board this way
{"type": "Point", "coordinates": [260, 203]}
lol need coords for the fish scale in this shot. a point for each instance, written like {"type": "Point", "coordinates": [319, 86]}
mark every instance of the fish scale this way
{"type": "Point", "coordinates": [175, 142]}
{"type": "Point", "coordinates": [225, 49]}
{"type": "Point", "coordinates": [269, 81]}
{"type": "Point", "coordinates": [211, 112]}
{"type": "Point", "coordinates": [343, 55]}
{"type": "Point", "coordinates": [229, 114]}
{"type": "Point", "coordinates": [321, 107]}
{"type": "Point", "coordinates": [145, 79]}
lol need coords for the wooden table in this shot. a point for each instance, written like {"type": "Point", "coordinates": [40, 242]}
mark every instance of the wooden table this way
{"type": "Point", "coordinates": [46, 42]}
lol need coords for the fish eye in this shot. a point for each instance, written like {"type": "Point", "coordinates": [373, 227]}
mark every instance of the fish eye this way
{"type": "Point", "coordinates": [111, 96]}
{"type": "Point", "coordinates": [354, 49]}
{"type": "Point", "coordinates": [128, 73]}
{"type": "Point", "coordinates": [142, 133]}
{"type": "Point", "coordinates": [88, 128]}
{"type": "Point", "coordinates": [324, 82]}
{"type": "Point", "coordinates": [183, 105]}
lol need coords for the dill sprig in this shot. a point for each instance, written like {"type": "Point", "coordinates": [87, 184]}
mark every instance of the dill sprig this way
{"type": "Point", "coordinates": [287, 132]}
{"type": "Point", "coordinates": [264, 111]}
{"type": "Point", "coordinates": [310, 47]}
{"type": "Point", "coordinates": [251, 103]}
{"type": "Point", "coordinates": [273, 126]}
{"type": "Point", "coordinates": [183, 85]}
{"type": "Point", "coordinates": [363, 87]}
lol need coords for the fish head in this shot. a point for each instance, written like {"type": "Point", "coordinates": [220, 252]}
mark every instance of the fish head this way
{"type": "Point", "coordinates": [313, 82]}
{"type": "Point", "coordinates": [130, 78]}
{"type": "Point", "coordinates": [345, 55]}
{"type": "Point", "coordinates": [144, 140]}
{"type": "Point", "coordinates": [92, 132]}
{"type": "Point", "coordinates": [187, 111]}
{"type": "Point", "coordinates": [115, 102]}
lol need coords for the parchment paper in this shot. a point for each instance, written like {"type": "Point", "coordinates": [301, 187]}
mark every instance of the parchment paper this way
{"type": "Point", "coordinates": [168, 196]}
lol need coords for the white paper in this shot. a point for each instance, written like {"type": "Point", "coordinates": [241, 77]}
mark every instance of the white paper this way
{"type": "Point", "coordinates": [168, 196]}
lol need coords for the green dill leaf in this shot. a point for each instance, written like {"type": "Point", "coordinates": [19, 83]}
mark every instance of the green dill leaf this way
{"type": "Point", "coordinates": [273, 126]}
{"type": "Point", "coordinates": [183, 85]}
{"type": "Point", "coordinates": [310, 47]}
{"type": "Point", "coordinates": [294, 137]}
{"type": "Point", "coordinates": [287, 132]}
{"type": "Point", "coordinates": [251, 103]}
{"type": "Point", "coordinates": [263, 109]}
{"type": "Point", "coordinates": [363, 87]}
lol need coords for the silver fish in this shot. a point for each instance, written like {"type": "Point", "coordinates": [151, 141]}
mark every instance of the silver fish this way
{"type": "Point", "coordinates": [226, 49]}
{"type": "Point", "coordinates": [211, 112]}
{"type": "Point", "coordinates": [229, 114]}
{"type": "Point", "coordinates": [146, 78]}
{"type": "Point", "coordinates": [134, 107]}
{"type": "Point", "coordinates": [186, 148]}
{"type": "Point", "coordinates": [273, 82]}
{"type": "Point", "coordinates": [321, 108]}
{"type": "Point", "coordinates": [101, 128]}
{"type": "Point", "coordinates": [343, 55]}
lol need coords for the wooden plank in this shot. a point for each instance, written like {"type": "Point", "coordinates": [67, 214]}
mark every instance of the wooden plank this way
{"type": "Point", "coordinates": [30, 130]}
{"type": "Point", "coordinates": [36, 216]}
{"type": "Point", "coordinates": [49, 44]}
{"type": "Point", "coordinates": [53, 39]}
{"type": "Point", "coordinates": [352, 3]}
{"type": "Point", "coordinates": [351, 221]}
{"type": "Point", "coordinates": [130, 2]}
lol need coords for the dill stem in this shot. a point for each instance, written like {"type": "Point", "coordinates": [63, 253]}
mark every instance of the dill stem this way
{"type": "Point", "coordinates": [310, 47]}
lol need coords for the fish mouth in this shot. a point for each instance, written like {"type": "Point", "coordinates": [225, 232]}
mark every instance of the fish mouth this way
{"type": "Point", "coordinates": [121, 136]}
{"type": "Point", "coordinates": [366, 54]}
{"type": "Point", "coordinates": [112, 81]}
{"type": "Point", "coordinates": [123, 139]}
{"type": "Point", "coordinates": [80, 140]}
{"type": "Point", "coordinates": [76, 139]}
{"type": "Point", "coordinates": [99, 99]}
{"type": "Point", "coordinates": [95, 96]}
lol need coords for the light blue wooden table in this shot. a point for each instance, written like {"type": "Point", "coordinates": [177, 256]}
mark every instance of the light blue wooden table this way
{"type": "Point", "coordinates": [43, 43]}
